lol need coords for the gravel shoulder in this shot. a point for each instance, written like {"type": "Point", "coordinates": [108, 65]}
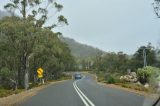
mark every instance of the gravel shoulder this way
{"type": "Point", "coordinates": [16, 99]}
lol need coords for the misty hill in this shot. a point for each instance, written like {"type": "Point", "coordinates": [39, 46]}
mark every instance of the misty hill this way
{"type": "Point", "coordinates": [81, 50]}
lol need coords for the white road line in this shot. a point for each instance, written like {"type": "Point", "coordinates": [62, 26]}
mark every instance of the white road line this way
{"type": "Point", "coordinates": [80, 95]}
{"type": "Point", "coordinates": [84, 95]}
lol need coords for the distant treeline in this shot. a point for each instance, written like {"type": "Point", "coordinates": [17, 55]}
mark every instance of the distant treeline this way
{"type": "Point", "coordinates": [120, 62]}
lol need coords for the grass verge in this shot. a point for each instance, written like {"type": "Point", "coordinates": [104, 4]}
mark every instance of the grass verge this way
{"type": "Point", "coordinates": [6, 92]}
{"type": "Point", "coordinates": [114, 79]}
{"type": "Point", "coordinates": [134, 86]}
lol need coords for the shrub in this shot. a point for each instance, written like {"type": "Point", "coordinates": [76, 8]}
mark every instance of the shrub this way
{"type": "Point", "coordinates": [148, 74]}
{"type": "Point", "coordinates": [111, 79]}
{"type": "Point", "coordinates": [32, 85]}
{"type": "Point", "coordinates": [5, 92]}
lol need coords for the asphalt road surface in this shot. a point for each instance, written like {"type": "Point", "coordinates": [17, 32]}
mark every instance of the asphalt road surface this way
{"type": "Point", "coordinates": [85, 92]}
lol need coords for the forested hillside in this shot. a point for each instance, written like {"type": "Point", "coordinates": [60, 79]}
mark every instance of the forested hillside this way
{"type": "Point", "coordinates": [81, 50]}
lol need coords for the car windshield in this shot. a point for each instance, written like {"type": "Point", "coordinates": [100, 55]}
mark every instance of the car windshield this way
{"type": "Point", "coordinates": [79, 52]}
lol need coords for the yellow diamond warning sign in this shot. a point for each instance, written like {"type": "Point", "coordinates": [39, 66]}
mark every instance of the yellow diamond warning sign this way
{"type": "Point", "coordinates": [40, 72]}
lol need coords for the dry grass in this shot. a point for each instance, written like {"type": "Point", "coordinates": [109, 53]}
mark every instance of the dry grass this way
{"type": "Point", "coordinates": [124, 84]}
{"type": "Point", "coordinates": [5, 92]}
{"type": "Point", "coordinates": [138, 92]}
{"type": "Point", "coordinates": [133, 86]}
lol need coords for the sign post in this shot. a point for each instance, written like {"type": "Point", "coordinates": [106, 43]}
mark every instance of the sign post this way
{"type": "Point", "coordinates": [40, 74]}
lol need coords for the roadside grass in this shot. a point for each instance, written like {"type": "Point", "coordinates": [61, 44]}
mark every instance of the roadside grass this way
{"type": "Point", "coordinates": [63, 77]}
{"type": "Point", "coordinates": [108, 78]}
{"type": "Point", "coordinates": [6, 92]}
{"type": "Point", "coordinates": [113, 78]}
{"type": "Point", "coordinates": [100, 77]}
{"type": "Point", "coordinates": [134, 86]}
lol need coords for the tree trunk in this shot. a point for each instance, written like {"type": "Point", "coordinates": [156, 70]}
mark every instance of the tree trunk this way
{"type": "Point", "coordinates": [26, 80]}
{"type": "Point", "coordinates": [20, 78]}
{"type": "Point", "coordinates": [24, 9]}
{"type": "Point", "coordinates": [26, 76]}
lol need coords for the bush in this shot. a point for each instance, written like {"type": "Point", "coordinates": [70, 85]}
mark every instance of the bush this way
{"type": "Point", "coordinates": [148, 74]}
{"type": "Point", "coordinates": [100, 76]}
{"type": "Point", "coordinates": [5, 76]}
{"type": "Point", "coordinates": [110, 79]}
{"type": "Point", "coordinates": [32, 85]}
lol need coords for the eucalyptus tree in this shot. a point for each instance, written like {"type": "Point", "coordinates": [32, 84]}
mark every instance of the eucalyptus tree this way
{"type": "Point", "coordinates": [138, 57]}
{"type": "Point", "coordinates": [35, 12]}
{"type": "Point", "coordinates": [19, 39]}
{"type": "Point", "coordinates": [156, 7]}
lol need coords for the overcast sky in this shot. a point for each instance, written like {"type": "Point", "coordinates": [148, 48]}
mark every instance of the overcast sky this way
{"type": "Point", "coordinates": [111, 25]}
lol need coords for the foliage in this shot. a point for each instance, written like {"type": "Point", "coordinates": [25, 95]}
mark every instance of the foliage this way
{"type": "Point", "coordinates": [144, 74]}
{"type": "Point", "coordinates": [120, 62]}
{"type": "Point", "coordinates": [37, 11]}
{"type": "Point", "coordinates": [156, 7]}
{"type": "Point", "coordinates": [6, 92]}
{"type": "Point", "coordinates": [110, 79]}
{"type": "Point", "coordinates": [138, 59]}
{"type": "Point", "coordinates": [148, 74]}
{"type": "Point", "coordinates": [5, 72]}
{"type": "Point", "coordinates": [25, 47]}
{"type": "Point", "coordinates": [133, 86]}
{"type": "Point", "coordinates": [111, 62]}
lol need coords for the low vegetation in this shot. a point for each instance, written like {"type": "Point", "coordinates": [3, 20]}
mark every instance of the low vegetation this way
{"type": "Point", "coordinates": [145, 75]}
{"type": "Point", "coordinates": [134, 86]}
{"type": "Point", "coordinates": [6, 92]}
{"type": "Point", "coordinates": [148, 75]}
{"type": "Point", "coordinates": [114, 79]}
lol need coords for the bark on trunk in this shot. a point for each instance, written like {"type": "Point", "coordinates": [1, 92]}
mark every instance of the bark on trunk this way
{"type": "Point", "coordinates": [26, 80]}
{"type": "Point", "coordinates": [26, 76]}
{"type": "Point", "coordinates": [20, 78]}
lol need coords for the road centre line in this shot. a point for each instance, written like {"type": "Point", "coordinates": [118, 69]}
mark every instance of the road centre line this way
{"type": "Point", "coordinates": [82, 95]}
{"type": "Point", "coordinates": [86, 104]}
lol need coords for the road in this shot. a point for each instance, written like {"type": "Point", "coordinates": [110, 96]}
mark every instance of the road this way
{"type": "Point", "coordinates": [84, 92]}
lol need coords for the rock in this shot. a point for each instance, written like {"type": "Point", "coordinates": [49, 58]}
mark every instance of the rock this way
{"type": "Point", "coordinates": [146, 85]}
{"type": "Point", "coordinates": [132, 77]}
{"type": "Point", "coordinates": [139, 83]}
{"type": "Point", "coordinates": [121, 77]}
{"type": "Point", "coordinates": [133, 74]}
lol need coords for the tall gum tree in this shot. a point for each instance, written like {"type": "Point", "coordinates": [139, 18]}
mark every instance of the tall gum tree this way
{"type": "Point", "coordinates": [35, 11]}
